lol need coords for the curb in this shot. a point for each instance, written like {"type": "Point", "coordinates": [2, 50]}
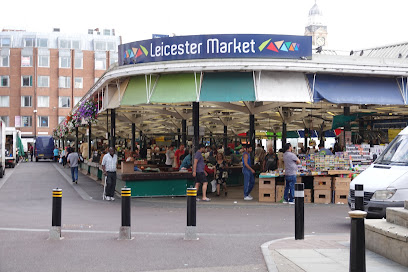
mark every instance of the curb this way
{"type": "Point", "coordinates": [269, 261]}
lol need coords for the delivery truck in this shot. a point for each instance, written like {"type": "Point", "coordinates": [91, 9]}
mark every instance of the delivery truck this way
{"type": "Point", "coordinates": [2, 148]}
{"type": "Point", "coordinates": [11, 145]}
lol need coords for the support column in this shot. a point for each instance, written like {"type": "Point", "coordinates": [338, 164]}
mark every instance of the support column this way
{"type": "Point", "coordinates": [306, 136]}
{"type": "Point", "coordinates": [178, 141]}
{"type": "Point", "coordinates": [196, 125]}
{"type": "Point", "coordinates": [347, 127]}
{"type": "Point", "coordinates": [211, 138]}
{"type": "Point", "coordinates": [283, 134]}
{"type": "Point", "coordinates": [141, 143]}
{"type": "Point", "coordinates": [252, 135]}
{"type": "Point", "coordinates": [133, 137]}
{"type": "Point", "coordinates": [113, 128]}
{"type": "Point", "coordinates": [184, 132]}
{"type": "Point", "coordinates": [225, 139]}
{"type": "Point", "coordinates": [89, 142]}
{"type": "Point", "coordinates": [76, 139]}
{"type": "Point", "coordinates": [63, 143]}
{"type": "Point", "coordinates": [274, 142]}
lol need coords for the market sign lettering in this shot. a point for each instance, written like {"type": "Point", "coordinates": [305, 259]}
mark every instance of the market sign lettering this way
{"type": "Point", "coordinates": [216, 47]}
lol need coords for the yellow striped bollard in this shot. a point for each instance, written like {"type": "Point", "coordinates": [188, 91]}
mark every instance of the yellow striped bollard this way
{"type": "Point", "coordinates": [55, 231]}
{"type": "Point", "coordinates": [191, 214]}
{"type": "Point", "coordinates": [124, 231]}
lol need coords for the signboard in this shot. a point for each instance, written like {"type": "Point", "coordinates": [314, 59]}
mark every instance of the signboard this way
{"type": "Point", "coordinates": [17, 121]}
{"type": "Point", "coordinates": [158, 36]}
{"type": "Point", "coordinates": [216, 47]}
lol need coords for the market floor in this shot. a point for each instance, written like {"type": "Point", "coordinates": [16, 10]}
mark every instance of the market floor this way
{"type": "Point", "coordinates": [230, 234]}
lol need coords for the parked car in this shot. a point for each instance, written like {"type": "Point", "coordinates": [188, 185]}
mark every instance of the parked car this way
{"type": "Point", "coordinates": [386, 180]}
{"type": "Point", "coordinates": [44, 147]}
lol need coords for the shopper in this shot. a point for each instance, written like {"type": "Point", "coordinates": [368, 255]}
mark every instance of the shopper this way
{"type": "Point", "coordinates": [177, 156]}
{"type": "Point", "coordinates": [109, 163]}
{"type": "Point", "coordinates": [56, 154]}
{"type": "Point", "coordinates": [324, 151]}
{"type": "Point", "coordinates": [31, 152]}
{"type": "Point", "coordinates": [186, 163]}
{"type": "Point", "coordinates": [271, 161]}
{"type": "Point", "coordinates": [249, 179]}
{"type": "Point", "coordinates": [221, 173]}
{"type": "Point", "coordinates": [291, 162]}
{"type": "Point", "coordinates": [72, 159]}
{"type": "Point", "coordinates": [199, 172]}
{"type": "Point", "coordinates": [170, 156]}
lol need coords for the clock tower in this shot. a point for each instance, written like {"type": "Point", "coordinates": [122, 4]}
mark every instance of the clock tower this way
{"type": "Point", "coordinates": [316, 26]}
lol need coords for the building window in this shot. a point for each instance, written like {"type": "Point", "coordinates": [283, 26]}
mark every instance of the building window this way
{"type": "Point", "coordinates": [100, 46]}
{"type": "Point", "coordinates": [79, 83]}
{"type": "Point", "coordinates": [64, 62]}
{"type": "Point", "coordinates": [64, 44]}
{"type": "Point", "coordinates": [26, 121]}
{"type": "Point", "coordinates": [77, 99]}
{"type": "Point", "coordinates": [60, 119]}
{"type": "Point", "coordinates": [4, 81]}
{"type": "Point", "coordinates": [78, 62]}
{"type": "Point", "coordinates": [43, 101]}
{"type": "Point", "coordinates": [76, 45]}
{"type": "Point", "coordinates": [44, 81]}
{"type": "Point", "coordinates": [42, 42]}
{"type": "Point", "coordinates": [27, 81]}
{"type": "Point", "coordinates": [29, 42]}
{"type": "Point", "coordinates": [26, 61]}
{"type": "Point", "coordinates": [64, 102]}
{"type": "Point", "coordinates": [43, 61]}
{"type": "Point", "coordinates": [4, 101]}
{"type": "Point", "coordinates": [5, 42]}
{"type": "Point", "coordinates": [112, 60]}
{"type": "Point", "coordinates": [26, 101]}
{"type": "Point", "coordinates": [111, 46]}
{"type": "Point", "coordinates": [4, 61]}
{"type": "Point", "coordinates": [100, 64]}
{"type": "Point", "coordinates": [42, 121]}
{"type": "Point", "coordinates": [64, 82]}
{"type": "Point", "coordinates": [106, 32]}
{"type": "Point", "coordinates": [90, 31]}
{"type": "Point", "coordinates": [5, 120]}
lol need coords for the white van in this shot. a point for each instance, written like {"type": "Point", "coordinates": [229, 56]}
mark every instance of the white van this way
{"type": "Point", "coordinates": [386, 180]}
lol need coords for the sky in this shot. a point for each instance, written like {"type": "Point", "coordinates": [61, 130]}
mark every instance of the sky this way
{"type": "Point", "coordinates": [352, 24]}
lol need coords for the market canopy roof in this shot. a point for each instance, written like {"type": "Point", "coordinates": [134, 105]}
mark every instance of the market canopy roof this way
{"type": "Point", "coordinates": [174, 88]}
{"type": "Point", "coordinates": [355, 89]}
{"type": "Point", "coordinates": [136, 92]}
{"type": "Point", "coordinates": [282, 87]}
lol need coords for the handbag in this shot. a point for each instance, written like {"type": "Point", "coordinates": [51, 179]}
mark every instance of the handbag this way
{"type": "Point", "coordinates": [81, 159]}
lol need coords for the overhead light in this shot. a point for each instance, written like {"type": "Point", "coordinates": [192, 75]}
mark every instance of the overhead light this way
{"type": "Point", "coordinates": [390, 113]}
{"type": "Point", "coordinates": [332, 114]}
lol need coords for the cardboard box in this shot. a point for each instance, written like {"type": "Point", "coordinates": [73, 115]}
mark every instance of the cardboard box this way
{"type": "Point", "coordinates": [322, 183]}
{"type": "Point", "coordinates": [267, 183]}
{"type": "Point", "coordinates": [340, 196]}
{"type": "Point", "coordinates": [266, 195]}
{"type": "Point", "coordinates": [322, 196]}
{"type": "Point", "coordinates": [308, 193]}
{"type": "Point", "coordinates": [308, 200]}
{"type": "Point", "coordinates": [341, 184]}
{"type": "Point", "coordinates": [279, 192]}
{"type": "Point", "coordinates": [127, 167]}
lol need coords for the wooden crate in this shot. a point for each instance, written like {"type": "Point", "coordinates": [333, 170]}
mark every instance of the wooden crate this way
{"type": "Point", "coordinates": [266, 195]}
{"type": "Point", "coordinates": [322, 183]}
{"type": "Point", "coordinates": [322, 196]}
{"type": "Point", "coordinates": [267, 183]}
{"type": "Point", "coordinates": [340, 196]}
{"type": "Point", "coordinates": [279, 192]}
{"type": "Point", "coordinates": [341, 183]}
{"type": "Point", "coordinates": [127, 167]}
{"type": "Point", "coordinates": [308, 195]}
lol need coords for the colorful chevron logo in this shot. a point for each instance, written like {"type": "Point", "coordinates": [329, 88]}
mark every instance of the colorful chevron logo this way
{"type": "Point", "coordinates": [135, 52]}
{"type": "Point", "coordinates": [279, 46]}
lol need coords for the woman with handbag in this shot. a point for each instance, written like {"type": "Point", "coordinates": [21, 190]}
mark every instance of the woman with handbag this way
{"type": "Point", "coordinates": [221, 173]}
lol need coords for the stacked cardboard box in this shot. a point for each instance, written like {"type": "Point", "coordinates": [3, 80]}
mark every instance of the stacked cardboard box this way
{"type": "Point", "coordinates": [308, 196]}
{"type": "Point", "coordinates": [267, 189]}
{"type": "Point", "coordinates": [322, 189]}
{"type": "Point", "coordinates": [341, 187]}
{"type": "Point", "coordinates": [279, 192]}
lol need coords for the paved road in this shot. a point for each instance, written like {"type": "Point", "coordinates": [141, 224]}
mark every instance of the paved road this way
{"type": "Point", "coordinates": [230, 235]}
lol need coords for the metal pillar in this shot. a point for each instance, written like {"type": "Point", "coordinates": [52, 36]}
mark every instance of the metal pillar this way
{"type": "Point", "coordinates": [133, 136]}
{"type": "Point", "coordinates": [76, 139]}
{"type": "Point", "coordinates": [113, 128]}
{"type": "Point", "coordinates": [299, 211]}
{"type": "Point", "coordinates": [196, 125]}
{"type": "Point", "coordinates": [89, 142]}
{"type": "Point", "coordinates": [191, 214]}
{"type": "Point", "coordinates": [178, 138]}
{"type": "Point", "coordinates": [184, 132]}
{"type": "Point", "coordinates": [347, 126]}
{"type": "Point", "coordinates": [357, 242]}
{"type": "Point", "coordinates": [274, 142]}
{"type": "Point", "coordinates": [252, 134]}
{"type": "Point", "coordinates": [55, 231]}
{"type": "Point", "coordinates": [124, 231]}
{"type": "Point", "coordinates": [283, 134]}
{"type": "Point", "coordinates": [225, 138]}
{"type": "Point", "coordinates": [306, 136]}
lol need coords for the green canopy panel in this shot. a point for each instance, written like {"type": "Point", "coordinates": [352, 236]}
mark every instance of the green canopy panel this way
{"type": "Point", "coordinates": [137, 90]}
{"type": "Point", "coordinates": [175, 88]}
{"type": "Point", "coordinates": [289, 134]}
{"type": "Point", "coordinates": [227, 87]}
{"type": "Point", "coordinates": [342, 120]}
{"type": "Point", "coordinates": [20, 147]}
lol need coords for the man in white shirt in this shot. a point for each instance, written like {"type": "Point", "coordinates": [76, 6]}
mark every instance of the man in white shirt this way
{"type": "Point", "coordinates": [170, 156]}
{"type": "Point", "coordinates": [109, 163]}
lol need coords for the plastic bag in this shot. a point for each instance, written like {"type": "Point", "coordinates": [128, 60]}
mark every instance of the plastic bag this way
{"type": "Point", "coordinates": [213, 185]}
{"type": "Point", "coordinates": [60, 161]}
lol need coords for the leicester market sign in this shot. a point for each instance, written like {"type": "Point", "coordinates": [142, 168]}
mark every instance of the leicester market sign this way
{"type": "Point", "coordinates": [216, 47]}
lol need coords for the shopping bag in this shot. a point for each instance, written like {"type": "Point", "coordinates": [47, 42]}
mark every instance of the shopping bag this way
{"type": "Point", "coordinates": [213, 185]}
{"type": "Point", "coordinates": [60, 161]}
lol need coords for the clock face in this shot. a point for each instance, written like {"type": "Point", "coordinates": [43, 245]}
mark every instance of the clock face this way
{"type": "Point", "coordinates": [320, 41]}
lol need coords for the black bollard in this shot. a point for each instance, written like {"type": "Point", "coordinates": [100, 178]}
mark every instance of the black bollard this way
{"type": "Point", "coordinates": [124, 231]}
{"type": "Point", "coordinates": [357, 242]}
{"type": "Point", "coordinates": [359, 197]}
{"type": "Point", "coordinates": [191, 214]}
{"type": "Point", "coordinates": [55, 231]}
{"type": "Point", "coordinates": [299, 211]}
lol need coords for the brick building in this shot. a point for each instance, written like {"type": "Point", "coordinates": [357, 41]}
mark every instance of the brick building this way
{"type": "Point", "coordinates": [43, 75]}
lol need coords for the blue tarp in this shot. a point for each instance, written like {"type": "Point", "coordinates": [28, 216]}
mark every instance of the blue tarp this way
{"type": "Point", "coordinates": [355, 90]}
{"type": "Point", "coordinates": [302, 133]}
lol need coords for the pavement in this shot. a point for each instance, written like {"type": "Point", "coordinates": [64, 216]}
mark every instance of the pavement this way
{"type": "Point", "coordinates": [231, 230]}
